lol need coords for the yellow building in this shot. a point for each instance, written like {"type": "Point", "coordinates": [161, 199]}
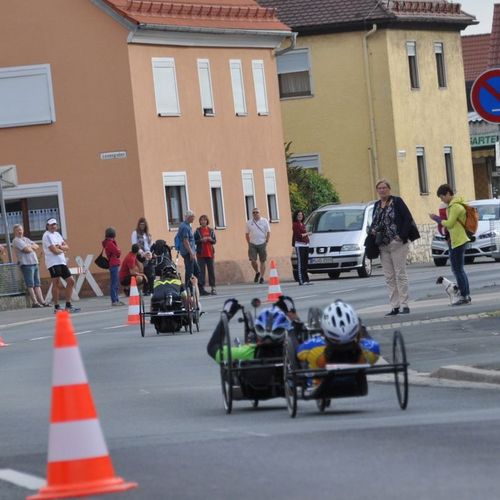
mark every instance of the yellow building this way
{"type": "Point", "coordinates": [376, 89]}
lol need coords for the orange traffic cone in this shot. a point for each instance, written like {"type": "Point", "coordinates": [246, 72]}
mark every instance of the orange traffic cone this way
{"type": "Point", "coordinates": [274, 284]}
{"type": "Point", "coordinates": [78, 460]}
{"type": "Point", "coordinates": [133, 303]}
{"type": "Point", "coordinates": [2, 342]}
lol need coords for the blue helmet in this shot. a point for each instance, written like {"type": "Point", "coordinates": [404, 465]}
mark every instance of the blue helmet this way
{"type": "Point", "coordinates": [272, 324]}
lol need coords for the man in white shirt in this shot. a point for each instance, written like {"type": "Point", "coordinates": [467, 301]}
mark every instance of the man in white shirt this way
{"type": "Point", "coordinates": [54, 249]}
{"type": "Point", "coordinates": [257, 235]}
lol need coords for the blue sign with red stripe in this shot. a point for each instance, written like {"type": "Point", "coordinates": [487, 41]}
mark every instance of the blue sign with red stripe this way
{"type": "Point", "coordinates": [485, 95]}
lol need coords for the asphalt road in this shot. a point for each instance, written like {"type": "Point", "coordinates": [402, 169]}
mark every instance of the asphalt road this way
{"type": "Point", "coordinates": [160, 404]}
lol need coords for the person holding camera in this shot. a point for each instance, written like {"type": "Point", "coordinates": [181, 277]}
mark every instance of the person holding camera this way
{"type": "Point", "coordinates": [393, 227]}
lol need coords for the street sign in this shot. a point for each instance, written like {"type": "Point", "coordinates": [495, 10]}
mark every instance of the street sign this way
{"type": "Point", "coordinates": [485, 95]}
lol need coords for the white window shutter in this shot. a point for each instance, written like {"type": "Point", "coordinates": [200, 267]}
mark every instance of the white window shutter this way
{"type": "Point", "coordinates": [259, 80]}
{"type": "Point", "coordinates": [165, 83]}
{"type": "Point", "coordinates": [293, 62]}
{"type": "Point", "coordinates": [270, 180]}
{"type": "Point", "coordinates": [215, 179]}
{"type": "Point", "coordinates": [207, 102]}
{"type": "Point", "coordinates": [174, 178]}
{"type": "Point", "coordinates": [240, 106]}
{"type": "Point", "coordinates": [247, 177]}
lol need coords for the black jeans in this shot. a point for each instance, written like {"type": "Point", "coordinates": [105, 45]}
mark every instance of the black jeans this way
{"type": "Point", "coordinates": [457, 257]}
{"type": "Point", "coordinates": [208, 264]}
{"type": "Point", "coordinates": [302, 254]}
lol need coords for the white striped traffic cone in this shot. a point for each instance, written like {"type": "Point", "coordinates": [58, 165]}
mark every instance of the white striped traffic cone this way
{"type": "Point", "coordinates": [133, 303]}
{"type": "Point", "coordinates": [78, 460]}
{"type": "Point", "coordinates": [274, 283]}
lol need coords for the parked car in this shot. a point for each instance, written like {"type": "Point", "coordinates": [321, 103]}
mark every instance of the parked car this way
{"type": "Point", "coordinates": [338, 232]}
{"type": "Point", "coordinates": [487, 242]}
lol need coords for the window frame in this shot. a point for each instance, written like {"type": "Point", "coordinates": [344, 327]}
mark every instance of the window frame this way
{"type": "Point", "coordinates": [271, 190]}
{"type": "Point", "coordinates": [162, 107]}
{"type": "Point", "coordinates": [175, 179]}
{"type": "Point", "coordinates": [423, 181]}
{"type": "Point", "coordinates": [307, 52]}
{"type": "Point", "coordinates": [207, 111]}
{"type": "Point", "coordinates": [247, 175]}
{"type": "Point", "coordinates": [259, 83]}
{"type": "Point", "coordinates": [440, 65]}
{"type": "Point", "coordinates": [413, 64]}
{"type": "Point", "coordinates": [236, 64]}
{"type": "Point", "coordinates": [35, 70]}
{"type": "Point", "coordinates": [215, 182]}
{"type": "Point", "coordinates": [312, 160]}
{"type": "Point", "coordinates": [40, 190]}
{"type": "Point", "coordinates": [449, 166]}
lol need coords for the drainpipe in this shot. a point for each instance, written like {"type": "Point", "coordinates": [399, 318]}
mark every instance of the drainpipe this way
{"type": "Point", "coordinates": [293, 43]}
{"type": "Point", "coordinates": [373, 136]}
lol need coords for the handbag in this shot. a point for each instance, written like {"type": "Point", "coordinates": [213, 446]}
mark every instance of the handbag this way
{"type": "Point", "coordinates": [371, 249]}
{"type": "Point", "coordinates": [101, 261]}
{"type": "Point", "coordinates": [413, 233]}
{"type": "Point", "coordinates": [379, 238]}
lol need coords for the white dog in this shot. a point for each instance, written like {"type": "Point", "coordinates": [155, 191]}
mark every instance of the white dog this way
{"type": "Point", "coordinates": [450, 288]}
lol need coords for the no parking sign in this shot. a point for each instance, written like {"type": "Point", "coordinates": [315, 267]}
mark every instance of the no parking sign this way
{"type": "Point", "coordinates": [485, 95]}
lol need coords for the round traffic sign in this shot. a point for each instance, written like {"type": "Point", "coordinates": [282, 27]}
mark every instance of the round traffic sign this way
{"type": "Point", "coordinates": [485, 95]}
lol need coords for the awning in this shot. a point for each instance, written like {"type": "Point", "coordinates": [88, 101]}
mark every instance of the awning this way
{"type": "Point", "coordinates": [483, 153]}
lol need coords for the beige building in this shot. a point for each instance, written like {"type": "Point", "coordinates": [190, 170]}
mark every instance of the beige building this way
{"type": "Point", "coordinates": [375, 89]}
{"type": "Point", "coordinates": [113, 110]}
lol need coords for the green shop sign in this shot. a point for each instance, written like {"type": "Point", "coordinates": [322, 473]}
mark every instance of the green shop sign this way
{"type": "Point", "coordinates": [480, 141]}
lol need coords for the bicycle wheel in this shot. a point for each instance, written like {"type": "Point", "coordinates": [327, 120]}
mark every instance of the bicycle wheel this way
{"type": "Point", "coordinates": [226, 375]}
{"type": "Point", "coordinates": [289, 378]}
{"type": "Point", "coordinates": [400, 369]}
{"type": "Point", "coordinates": [323, 404]}
{"type": "Point", "coordinates": [142, 316]}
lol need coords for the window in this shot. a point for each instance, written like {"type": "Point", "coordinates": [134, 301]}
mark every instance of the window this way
{"type": "Point", "coordinates": [207, 100]}
{"type": "Point", "coordinates": [294, 73]}
{"type": "Point", "coordinates": [411, 51]}
{"type": "Point", "coordinates": [26, 96]}
{"type": "Point", "coordinates": [248, 191]}
{"type": "Point", "coordinates": [450, 170]}
{"type": "Point", "coordinates": [440, 67]}
{"type": "Point", "coordinates": [165, 83]}
{"type": "Point", "coordinates": [215, 181]}
{"type": "Point", "coordinates": [422, 171]}
{"type": "Point", "coordinates": [311, 161]}
{"type": "Point", "coordinates": [31, 205]}
{"type": "Point", "coordinates": [259, 82]}
{"type": "Point", "coordinates": [271, 194]}
{"type": "Point", "coordinates": [240, 105]}
{"type": "Point", "coordinates": [175, 197]}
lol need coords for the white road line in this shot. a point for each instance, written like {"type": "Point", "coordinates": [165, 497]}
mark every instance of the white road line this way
{"type": "Point", "coordinates": [22, 479]}
{"type": "Point", "coordinates": [41, 338]}
{"type": "Point", "coordinates": [86, 331]}
{"type": "Point", "coordinates": [305, 297]}
{"type": "Point", "coordinates": [113, 327]}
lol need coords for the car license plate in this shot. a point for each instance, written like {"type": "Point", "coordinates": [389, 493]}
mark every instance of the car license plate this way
{"type": "Point", "coordinates": [322, 260]}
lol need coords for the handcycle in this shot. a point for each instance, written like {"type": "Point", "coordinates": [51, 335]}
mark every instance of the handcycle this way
{"type": "Point", "coordinates": [253, 380]}
{"type": "Point", "coordinates": [337, 380]}
{"type": "Point", "coordinates": [171, 315]}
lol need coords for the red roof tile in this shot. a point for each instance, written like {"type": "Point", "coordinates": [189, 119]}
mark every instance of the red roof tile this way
{"type": "Point", "coordinates": [228, 14]}
{"type": "Point", "coordinates": [304, 15]}
{"type": "Point", "coordinates": [476, 54]}
{"type": "Point", "coordinates": [494, 59]}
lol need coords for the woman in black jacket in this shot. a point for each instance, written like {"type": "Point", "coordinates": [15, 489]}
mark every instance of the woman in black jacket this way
{"type": "Point", "coordinates": [393, 227]}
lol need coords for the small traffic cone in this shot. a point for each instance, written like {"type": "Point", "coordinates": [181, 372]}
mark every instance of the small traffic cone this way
{"type": "Point", "coordinates": [78, 459]}
{"type": "Point", "coordinates": [133, 303]}
{"type": "Point", "coordinates": [2, 343]}
{"type": "Point", "coordinates": [274, 283]}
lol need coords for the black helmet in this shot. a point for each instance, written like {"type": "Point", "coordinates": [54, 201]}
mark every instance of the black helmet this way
{"type": "Point", "coordinates": [169, 270]}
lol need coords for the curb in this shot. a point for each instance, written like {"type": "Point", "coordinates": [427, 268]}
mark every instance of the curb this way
{"type": "Point", "coordinates": [467, 374]}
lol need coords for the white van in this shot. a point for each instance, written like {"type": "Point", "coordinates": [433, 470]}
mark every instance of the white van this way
{"type": "Point", "coordinates": [338, 232]}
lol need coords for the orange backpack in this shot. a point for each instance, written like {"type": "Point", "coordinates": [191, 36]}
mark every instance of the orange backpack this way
{"type": "Point", "coordinates": [471, 220]}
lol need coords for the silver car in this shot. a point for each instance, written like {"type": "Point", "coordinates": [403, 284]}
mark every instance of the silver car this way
{"type": "Point", "coordinates": [487, 242]}
{"type": "Point", "coordinates": [337, 240]}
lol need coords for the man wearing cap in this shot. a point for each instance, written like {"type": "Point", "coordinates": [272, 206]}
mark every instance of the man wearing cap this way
{"type": "Point", "coordinates": [54, 249]}
{"type": "Point", "coordinates": [188, 248]}
{"type": "Point", "coordinates": [257, 235]}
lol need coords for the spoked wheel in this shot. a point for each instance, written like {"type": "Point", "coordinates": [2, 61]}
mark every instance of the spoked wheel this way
{"type": "Point", "coordinates": [226, 375]}
{"type": "Point", "coordinates": [400, 369]}
{"type": "Point", "coordinates": [289, 378]}
{"type": "Point", "coordinates": [323, 404]}
{"type": "Point", "coordinates": [142, 316]}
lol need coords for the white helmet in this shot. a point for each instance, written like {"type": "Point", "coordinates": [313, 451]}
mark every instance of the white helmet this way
{"type": "Point", "coordinates": [340, 322]}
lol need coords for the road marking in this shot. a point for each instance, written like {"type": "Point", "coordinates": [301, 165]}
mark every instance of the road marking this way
{"type": "Point", "coordinates": [86, 331]}
{"type": "Point", "coordinates": [41, 338]}
{"type": "Point", "coordinates": [113, 327]}
{"type": "Point", "coordinates": [305, 296]}
{"type": "Point", "coordinates": [22, 479]}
